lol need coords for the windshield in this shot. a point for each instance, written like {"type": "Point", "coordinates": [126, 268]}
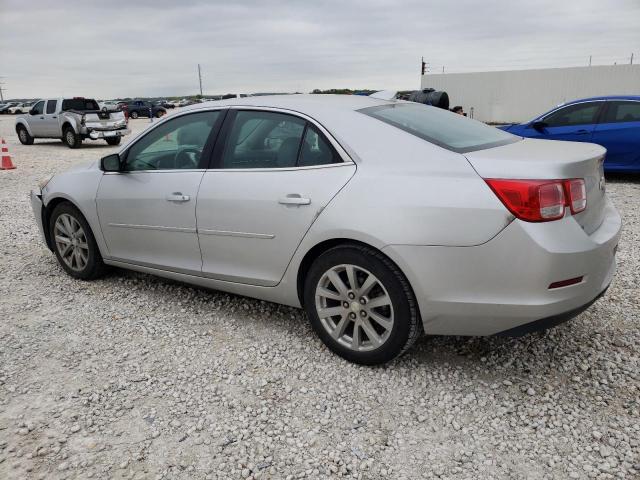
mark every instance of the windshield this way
{"type": "Point", "coordinates": [80, 104]}
{"type": "Point", "coordinates": [441, 127]}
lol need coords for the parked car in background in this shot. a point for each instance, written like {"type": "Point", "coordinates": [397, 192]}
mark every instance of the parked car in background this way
{"type": "Point", "coordinates": [613, 122]}
{"type": "Point", "coordinates": [415, 219]}
{"type": "Point", "coordinates": [72, 120]}
{"type": "Point", "coordinates": [185, 102]}
{"type": "Point", "coordinates": [165, 104]}
{"type": "Point", "coordinates": [109, 105]}
{"type": "Point", "coordinates": [141, 108]}
{"type": "Point", "coordinates": [4, 108]}
{"type": "Point", "coordinates": [21, 108]}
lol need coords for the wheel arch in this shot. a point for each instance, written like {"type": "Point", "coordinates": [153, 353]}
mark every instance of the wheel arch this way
{"type": "Point", "coordinates": [47, 211]}
{"type": "Point", "coordinates": [68, 123]}
{"type": "Point", "coordinates": [314, 252]}
{"type": "Point", "coordinates": [22, 123]}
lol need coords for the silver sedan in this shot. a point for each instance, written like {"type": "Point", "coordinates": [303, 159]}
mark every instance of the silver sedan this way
{"type": "Point", "coordinates": [383, 219]}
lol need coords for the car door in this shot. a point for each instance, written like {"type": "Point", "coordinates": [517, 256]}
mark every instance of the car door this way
{"type": "Point", "coordinates": [272, 176]}
{"type": "Point", "coordinates": [574, 122]}
{"type": "Point", "coordinates": [147, 211]}
{"type": "Point", "coordinates": [50, 125]}
{"type": "Point", "coordinates": [619, 132]}
{"type": "Point", "coordinates": [36, 120]}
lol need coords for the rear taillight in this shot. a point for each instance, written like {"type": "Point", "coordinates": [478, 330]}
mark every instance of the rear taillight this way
{"type": "Point", "coordinates": [540, 200]}
{"type": "Point", "coordinates": [577, 194]}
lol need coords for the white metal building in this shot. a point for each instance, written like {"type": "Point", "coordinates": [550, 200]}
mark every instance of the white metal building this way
{"type": "Point", "coordinates": [520, 95]}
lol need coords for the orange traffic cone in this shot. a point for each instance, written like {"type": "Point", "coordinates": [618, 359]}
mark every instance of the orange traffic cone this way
{"type": "Point", "coordinates": [6, 158]}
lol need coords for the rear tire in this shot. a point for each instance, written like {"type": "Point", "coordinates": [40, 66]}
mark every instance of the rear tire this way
{"type": "Point", "coordinates": [372, 316]}
{"type": "Point", "coordinates": [71, 139]}
{"type": "Point", "coordinates": [74, 244]}
{"type": "Point", "coordinates": [133, 115]}
{"type": "Point", "coordinates": [24, 137]}
{"type": "Point", "coordinates": [113, 141]}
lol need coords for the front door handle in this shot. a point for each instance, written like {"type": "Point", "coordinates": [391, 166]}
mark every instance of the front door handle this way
{"type": "Point", "coordinates": [178, 197]}
{"type": "Point", "coordinates": [582, 132]}
{"type": "Point", "coordinates": [294, 199]}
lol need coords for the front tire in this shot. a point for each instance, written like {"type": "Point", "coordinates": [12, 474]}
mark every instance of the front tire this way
{"type": "Point", "coordinates": [113, 141]}
{"type": "Point", "coordinates": [74, 244]}
{"type": "Point", "coordinates": [71, 139]}
{"type": "Point", "coordinates": [133, 115]}
{"type": "Point", "coordinates": [24, 137]}
{"type": "Point", "coordinates": [361, 305]}
{"type": "Point", "coordinates": [159, 114]}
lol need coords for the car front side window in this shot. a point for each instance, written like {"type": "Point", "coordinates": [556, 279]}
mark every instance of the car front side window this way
{"type": "Point", "coordinates": [38, 108]}
{"type": "Point", "coordinates": [578, 114]}
{"type": "Point", "coordinates": [177, 144]}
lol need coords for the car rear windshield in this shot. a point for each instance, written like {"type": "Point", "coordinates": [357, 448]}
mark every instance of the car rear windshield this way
{"type": "Point", "coordinates": [441, 127]}
{"type": "Point", "coordinates": [80, 104]}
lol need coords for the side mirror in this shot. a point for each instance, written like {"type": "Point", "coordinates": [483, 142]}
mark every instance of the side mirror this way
{"type": "Point", "coordinates": [539, 125]}
{"type": "Point", "coordinates": [33, 112]}
{"type": "Point", "coordinates": [110, 163]}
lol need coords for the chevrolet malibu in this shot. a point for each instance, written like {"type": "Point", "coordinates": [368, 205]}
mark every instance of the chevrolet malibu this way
{"type": "Point", "coordinates": [383, 219]}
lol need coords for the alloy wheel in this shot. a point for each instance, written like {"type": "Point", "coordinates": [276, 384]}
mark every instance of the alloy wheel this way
{"type": "Point", "coordinates": [71, 242]}
{"type": "Point", "coordinates": [354, 307]}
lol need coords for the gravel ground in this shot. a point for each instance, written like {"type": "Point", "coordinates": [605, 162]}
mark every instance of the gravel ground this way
{"type": "Point", "coordinates": [132, 376]}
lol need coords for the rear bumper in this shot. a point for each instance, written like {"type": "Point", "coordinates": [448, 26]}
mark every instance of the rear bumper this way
{"type": "Point", "coordinates": [96, 134]}
{"type": "Point", "coordinates": [504, 284]}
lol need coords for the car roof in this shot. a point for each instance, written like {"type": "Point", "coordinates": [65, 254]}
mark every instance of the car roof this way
{"type": "Point", "coordinates": [607, 97]}
{"type": "Point", "coordinates": [309, 104]}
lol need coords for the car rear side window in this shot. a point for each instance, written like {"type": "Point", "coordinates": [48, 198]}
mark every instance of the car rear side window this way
{"type": "Point", "coordinates": [261, 139]}
{"type": "Point", "coordinates": [441, 127]}
{"type": "Point", "coordinates": [577, 114]}
{"type": "Point", "coordinates": [621, 111]}
{"type": "Point", "coordinates": [316, 149]}
{"type": "Point", "coordinates": [51, 106]}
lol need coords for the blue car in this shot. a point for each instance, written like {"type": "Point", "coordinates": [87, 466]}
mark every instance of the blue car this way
{"type": "Point", "coordinates": [613, 122]}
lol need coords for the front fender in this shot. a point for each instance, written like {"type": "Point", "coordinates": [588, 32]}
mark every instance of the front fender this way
{"type": "Point", "coordinates": [79, 186]}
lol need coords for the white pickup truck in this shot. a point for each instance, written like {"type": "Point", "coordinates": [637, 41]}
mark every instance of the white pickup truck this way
{"type": "Point", "coordinates": [72, 120]}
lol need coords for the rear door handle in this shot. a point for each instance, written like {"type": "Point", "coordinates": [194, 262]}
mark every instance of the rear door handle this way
{"type": "Point", "coordinates": [294, 199]}
{"type": "Point", "coordinates": [178, 197]}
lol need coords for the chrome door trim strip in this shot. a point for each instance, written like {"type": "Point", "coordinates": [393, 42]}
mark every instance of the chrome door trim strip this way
{"type": "Point", "coordinates": [153, 227]}
{"type": "Point", "coordinates": [227, 233]}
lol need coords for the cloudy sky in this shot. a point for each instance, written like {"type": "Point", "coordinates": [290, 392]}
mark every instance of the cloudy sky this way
{"type": "Point", "coordinates": [118, 48]}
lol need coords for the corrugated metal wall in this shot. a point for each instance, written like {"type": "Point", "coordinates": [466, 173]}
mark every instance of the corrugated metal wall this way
{"type": "Point", "coordinates": [520, 95]}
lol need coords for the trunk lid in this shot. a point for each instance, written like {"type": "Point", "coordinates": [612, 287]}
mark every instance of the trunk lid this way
{"type": "Point", "coordinates": [531, 159]}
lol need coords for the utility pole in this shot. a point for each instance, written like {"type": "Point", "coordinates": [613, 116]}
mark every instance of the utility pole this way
{"type": "Point", "coordinates": [589, 60]}
{"type": "Point", "coordinates": [1, 89]}
{"type": "Point", "coordinates": [631, 59]}
{"type": "Point", "coordinates": [200, 79]}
